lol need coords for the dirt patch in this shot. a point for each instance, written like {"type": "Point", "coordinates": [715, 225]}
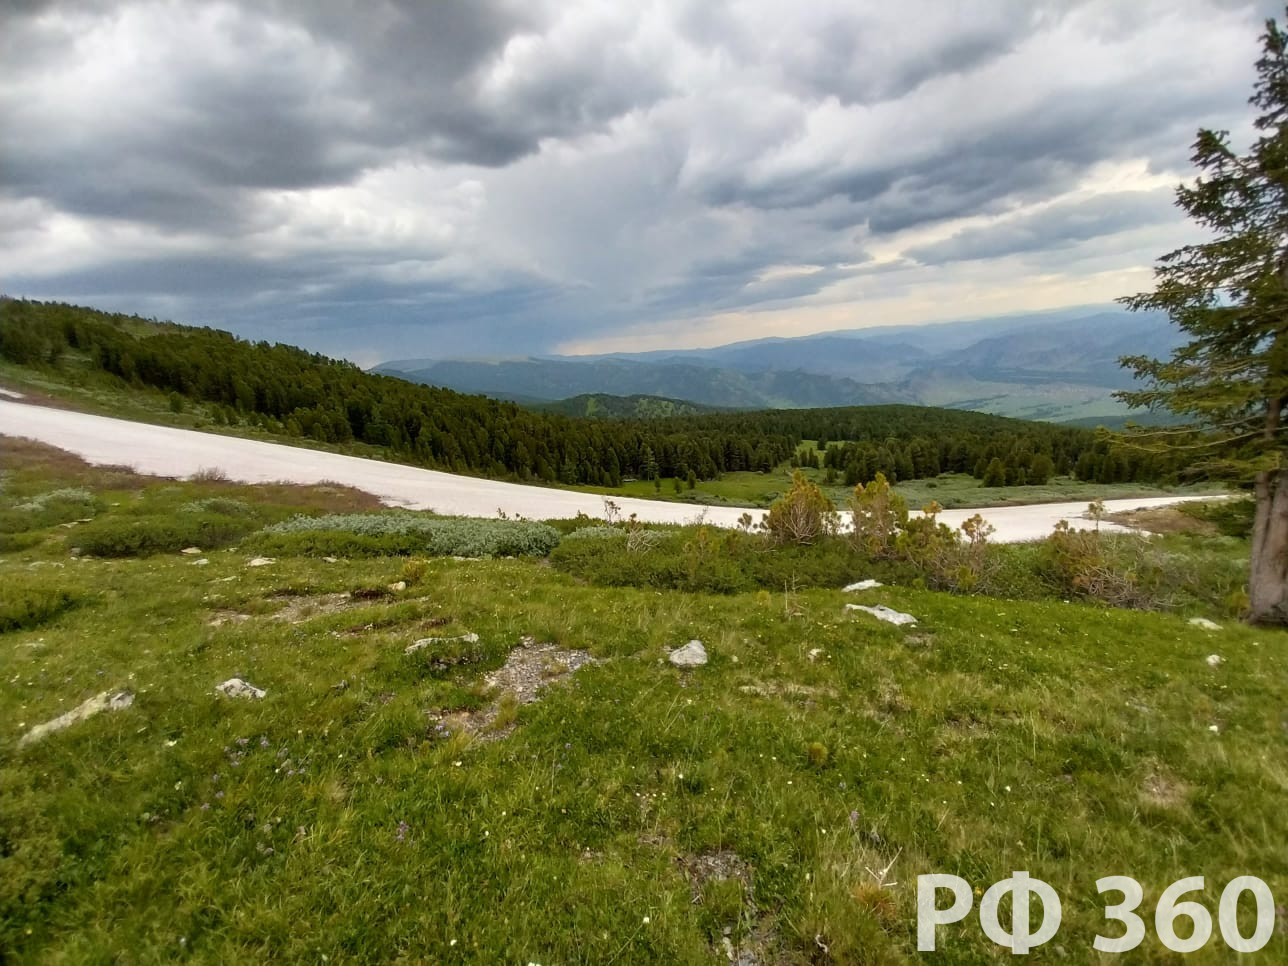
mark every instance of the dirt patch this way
{"type": "Point", "coordinates": [223, 617]}
{"type": "Point", "coordinates": [714, 866]}
{"type": "Point", "coordinates": [301, 609]}
{"type": "Point", "coordinates": [1162, 520]}
{"type": "Point", "coordinates": [749, 939]}
{"type": "Point", "coordinates": [528, 670]}
{"type": "Point", "coordinates": [1164, 790]}
{"type": "Point", "coordinates": [358, 630]}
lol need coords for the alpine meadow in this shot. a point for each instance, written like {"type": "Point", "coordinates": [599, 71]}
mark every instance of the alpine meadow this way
{"type": "Point", "coordinates": [770, 544]}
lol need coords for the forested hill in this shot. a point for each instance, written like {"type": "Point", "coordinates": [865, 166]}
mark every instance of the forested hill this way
{"type": "Point", "coordinates": [603, 406]}
{"type": "Point", "coordinates": [288, 390]}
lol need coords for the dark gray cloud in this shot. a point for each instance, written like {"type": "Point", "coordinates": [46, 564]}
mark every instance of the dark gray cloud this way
{"type": "Point", "coordinates": [519, 174]}
{"type": "Point", "coordinates": [1060, 225]}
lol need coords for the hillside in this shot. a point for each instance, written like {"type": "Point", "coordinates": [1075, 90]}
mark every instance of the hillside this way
{"type": "Point", "coordinates": [288, 392]}
{"type": "Point", "coordinates": [694, 382]}
{"type": "Point", "coordinates": [493, 760]}
{"type": "Point", "coordinates": [604, 406]}
{"type": "Point", "coordinates": [1057, 366]}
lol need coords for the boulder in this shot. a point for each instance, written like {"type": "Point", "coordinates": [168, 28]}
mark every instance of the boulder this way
{"type": "Point", "coordinates": [692, 654]}
{"type": "Point", "coordinates": [237, 688]}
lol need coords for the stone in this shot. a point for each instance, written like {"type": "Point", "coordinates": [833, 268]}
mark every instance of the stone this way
{"type": "Point", "coordinates": [692, 654]}
{"type": "Point", "coordinates": [883, 613]}
{"type": "Point", "coordinates": [106, 701]}
{"type": "Point", "coordinates": [237, 688]}
{"type": "Point", "coordinates": [331, 559]}
{"type": "Point", "coordinates": [398, 586]}
{"type": "Point", "coordinates": [191, 551]}
{"type": "Point", "coordinates": [1205, 624]}
{"type": "Point", "coordinates": [863, 585]}
{"type": "Point", "coordinates": [200, 562]}
{"type": "Point", "coordinates": [425, 642]}
{"type": "Point", "coordinates": [1215, 660]}
{"type": "Point", "coordinates": [260, 562]}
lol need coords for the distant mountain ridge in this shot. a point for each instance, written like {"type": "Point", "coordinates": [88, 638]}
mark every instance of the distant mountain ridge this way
{"type": "Point", "coordinates": [1051, 366]}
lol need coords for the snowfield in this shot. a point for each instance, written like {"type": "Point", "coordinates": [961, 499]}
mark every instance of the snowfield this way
{"type": "Point", "coordinates": [165, 451]}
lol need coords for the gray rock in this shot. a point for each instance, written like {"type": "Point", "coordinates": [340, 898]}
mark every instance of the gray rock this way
{"type": "Point", "coordinates": [237, 688]}
{"type": "Point", "coordinates": [260, 562]}
{"type": "Point", "coordinates": [424, 642]}
{"type": "Point", "coordinates": [107, 701]}
{"type": "Point", "coordinates": [883, 613]}
{"type": "Point", "coordinates": [692, 654]}
{"type": "Point", "coordinates": [1204, 623]}
{"type": "Point", "coordinates": [868, 584]}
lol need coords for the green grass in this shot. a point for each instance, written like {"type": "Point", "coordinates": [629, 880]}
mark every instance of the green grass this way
{"type": "Point", "coordinates": [635, 812]}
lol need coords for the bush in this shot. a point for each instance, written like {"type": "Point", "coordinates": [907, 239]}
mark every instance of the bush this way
{"type": "Point", "coordinates": [804, 516]}
{"type": "Point", "coordinates": [26, 604]}
{"type": "Point", "coordinates": [141, 536]}
{"type": "Point", "coordinates": [405, 532]}
{"type": "Point", "coordinates": [48, 510]}
{"type": "Point", "coordinates": [719, 561]}
{"type": "Point", "coordinates": [1128, 570]}
{"type": "Point", "coordinates": [1232, 518]}
{"type": "Point", "coordinates": [219, 504]}
{"type": "Point", "coordinates": [332, 543]}
{"type": "Point", "coordinates": [597, 533]}
{"type": "Point", "coordinates": [877, 513]}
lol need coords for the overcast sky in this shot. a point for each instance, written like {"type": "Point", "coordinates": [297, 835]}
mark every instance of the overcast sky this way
{"type": "Point", "coordinates": [395, 178]}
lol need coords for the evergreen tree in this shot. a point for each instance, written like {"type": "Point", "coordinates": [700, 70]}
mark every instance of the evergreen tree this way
{"type": "Point", "coordinates": [995, 474]}
{"type": "Point", "coordinates": [1229, 295]}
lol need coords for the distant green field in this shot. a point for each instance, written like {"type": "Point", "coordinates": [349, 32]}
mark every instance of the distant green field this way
{"type": "Point", "coordinates": [952, 490]}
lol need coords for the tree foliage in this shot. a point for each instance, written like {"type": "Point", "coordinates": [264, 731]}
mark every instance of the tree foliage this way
{"type": "Point", "coordinates": [1229, 294]}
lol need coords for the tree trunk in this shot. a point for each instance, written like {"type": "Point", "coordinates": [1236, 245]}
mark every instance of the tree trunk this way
{"type": "Point", "coordinates": [1268, 573]}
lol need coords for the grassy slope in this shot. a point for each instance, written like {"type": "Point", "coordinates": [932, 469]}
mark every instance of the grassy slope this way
{"type": "Point", "coordinates": [1066, 740]}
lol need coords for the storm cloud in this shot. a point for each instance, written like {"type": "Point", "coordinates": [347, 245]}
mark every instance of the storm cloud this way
{"type": "Point", "coordinates": [494, 177]}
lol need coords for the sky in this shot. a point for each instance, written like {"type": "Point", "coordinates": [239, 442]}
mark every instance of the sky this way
{"type": "Point", "coordinates": [390, 179]}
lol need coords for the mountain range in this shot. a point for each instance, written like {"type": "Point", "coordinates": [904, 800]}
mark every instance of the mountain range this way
{"type": "Point", "coordinates": [1054, 366]}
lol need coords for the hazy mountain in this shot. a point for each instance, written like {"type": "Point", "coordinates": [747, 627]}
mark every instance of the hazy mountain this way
{"type": "Point", "coordinates": [728, 388]}
{"type": "Point", "coordinates": [1054, 366]}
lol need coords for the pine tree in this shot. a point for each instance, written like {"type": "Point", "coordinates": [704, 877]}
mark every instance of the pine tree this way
{"type": "Point", "coordinates": [1230, 296]}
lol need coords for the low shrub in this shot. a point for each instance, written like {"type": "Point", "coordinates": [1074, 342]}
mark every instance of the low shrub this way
{"type": "Point", "coordinates": [597, 533]}
{"type": "Point", "coordinates": [49, 510]}
{"type": "Point", "coordinates": [1129, 570]}
{"type": "Point", "coordinates": [403, 532]}
{"type": "Point", "coordinates": [332, 543]}
{"type": "Point", "coordinates": [804, 516]}
{"type": "Point", "coordinates": [141, 536]}
{"type": "Point", "coordinates": [711, 560]}
{"type": "Point", "coordinates": [219, 504]}
{"type": "Point", "coordinates": [1232, 518]}
{"type": "Point", "coordinates": [26, 604]}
